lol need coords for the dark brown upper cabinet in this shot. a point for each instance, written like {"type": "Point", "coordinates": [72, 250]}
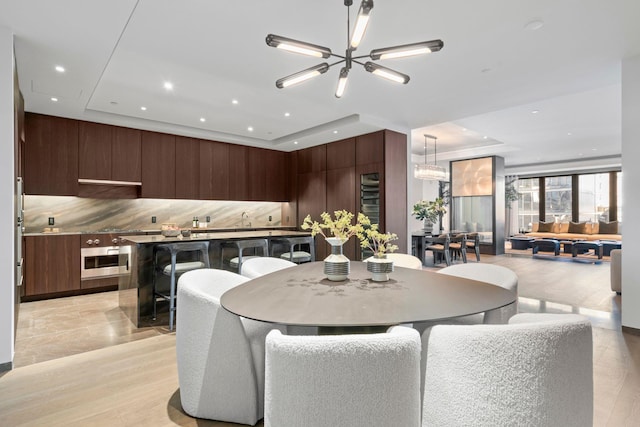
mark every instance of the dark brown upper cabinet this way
{"type": "Point", "coordinates": [158, 165]}
{"type": "Point", "coordinates": [126, 154]}
{"type": "Point", "coordinates": [277, 176]}
{"type": "Point", "coordinates": [312, 159]}
{"type": "Point", "coordinates": [51, 155]}
{"type": "Point", "coordinates": [187, 168]}
{"type": "Point", "coordinates": [214, 170]}
{"type": "Point", "coordinates": [238, 172]}
{"type": "Point", "coordinates": [341, 154]}
{"type": "Point", "coordinates": [94, 151]}
{"type": "Point", "coordinates": [109, 153]}
{"type": "Point", "coordinates": [370, 148]}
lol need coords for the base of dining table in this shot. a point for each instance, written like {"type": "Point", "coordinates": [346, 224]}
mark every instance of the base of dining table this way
{"type": "Point", "coordinates": [348, 330]}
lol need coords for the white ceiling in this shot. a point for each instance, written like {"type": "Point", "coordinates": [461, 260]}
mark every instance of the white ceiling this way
{"type": "Point", "coordinates": [491, 74]}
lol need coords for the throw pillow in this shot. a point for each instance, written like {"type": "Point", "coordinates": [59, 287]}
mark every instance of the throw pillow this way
{"type": "Point", "coordinates": [608, 227]}
{"type": "Point", "coordinates": [545, 227]}
{"type": "Point", "coordinates": [578, 227]}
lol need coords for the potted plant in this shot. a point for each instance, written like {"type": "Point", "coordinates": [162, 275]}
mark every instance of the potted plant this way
{"type": "Point", "coordinates": [429, 211]}
{"type": "Point", "coordinates": [336, 231]}
{"type": "Point", "coordinates": [380, 244]}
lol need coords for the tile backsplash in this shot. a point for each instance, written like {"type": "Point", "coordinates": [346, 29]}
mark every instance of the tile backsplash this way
{"type": "Point", "coordinates": [82, 214]}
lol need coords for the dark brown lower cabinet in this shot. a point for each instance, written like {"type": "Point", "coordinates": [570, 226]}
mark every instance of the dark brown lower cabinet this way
{"type": "Point", "coordinates": [52, 264]}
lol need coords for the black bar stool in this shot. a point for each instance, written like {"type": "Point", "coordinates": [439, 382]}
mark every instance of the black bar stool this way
{"type": "Point", "coordinates": [295, 252]}
{"type": "Point", "coordinates": [241, 245]}
{"type": "Point", "coordinates": [174, 269]}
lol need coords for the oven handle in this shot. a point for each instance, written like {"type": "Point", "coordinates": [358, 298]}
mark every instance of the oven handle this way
{"type": "Point", "coordinates": [114, 251]}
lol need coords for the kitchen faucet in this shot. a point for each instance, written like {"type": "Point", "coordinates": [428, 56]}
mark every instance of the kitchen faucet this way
{"type": "Point", "coordinates": [242, 218]}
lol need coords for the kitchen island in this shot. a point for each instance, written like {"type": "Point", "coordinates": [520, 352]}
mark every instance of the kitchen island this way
{"type": "Point", "coordinates": [135, 285]}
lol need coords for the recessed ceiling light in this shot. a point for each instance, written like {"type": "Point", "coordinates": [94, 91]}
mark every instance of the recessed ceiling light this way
{"type": "Point", "coordinates": [464, 129]}
{"type": "Point", "coordinates": [250, 128]}
{"type": "Point", "coordinates": [335, 131]}
{"type": "Point", "coordinates": [534, 24]}
{"type": "Point", "coordinates": [535, 111]}
{"type": "Point", "coordinates": [295, 142]}
{"type": "Point", "coordinates": [580, 154]}
{"type": "Point", "coordinates": [168, 85]}
{"type": "Point", "coordinates": [54, 99]}
{"type": "Point", "coordinates": [569, 134]}
{"type": "Point", "coordinates": [594, 149]}
{"type": "Point", "coordinates": [485, 137]}
{"type": "Point", "coordinates": [60, 68]}
{"type": "Point", "coordinates": [202, 119]}
{"type": "Point", "coordinates": [287, 114]}
{"type": "Point", "coordinates": [234, 101]}
{"type": "Point", "coordinates": [143, 108]}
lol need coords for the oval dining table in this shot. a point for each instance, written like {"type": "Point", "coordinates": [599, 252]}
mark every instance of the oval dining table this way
{"type": "Point", "coordinates": [303, 296]}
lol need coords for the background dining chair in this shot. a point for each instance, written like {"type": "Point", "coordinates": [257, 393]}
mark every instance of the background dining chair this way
{"type": "Point", "coordinates": [458, 247]}
{"type": "Point", "coordinates": [256, 267]}
{"type": "Point", "coordinates": [494, 274]}
{"type": "Point", "coordinates": [439, 246]}
{"type": "Point", "coordinates": [473, 243]}
{"type": "Point", "coordinates": [536, 371]}
{"type": "Point", "coordinates": [343, 380]}
{"type": "Point", "coordinates": [220, 355]}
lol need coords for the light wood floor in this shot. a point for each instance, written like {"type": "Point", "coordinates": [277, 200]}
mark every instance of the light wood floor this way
{"type": "Point", "coordinates": [135, 383]}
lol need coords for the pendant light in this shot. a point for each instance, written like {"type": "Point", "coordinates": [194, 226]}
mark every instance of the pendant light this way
{"type": "Point", "coordinates": [353, 41]}
{"type": "Point", "coordinates": [427, 171]}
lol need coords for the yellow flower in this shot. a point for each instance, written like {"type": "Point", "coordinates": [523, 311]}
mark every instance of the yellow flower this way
{"type": "Point", "coordinates": [340, 227]}
{"type": "Point", "coordinates": [371, 238]}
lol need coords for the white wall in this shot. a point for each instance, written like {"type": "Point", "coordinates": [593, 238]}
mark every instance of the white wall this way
{"type": "Point", "coordinates": [7, 187]}
{"type": "Point", "coordinates": [630, 180]}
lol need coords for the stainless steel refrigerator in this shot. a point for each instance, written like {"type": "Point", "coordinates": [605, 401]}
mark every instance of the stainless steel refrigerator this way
{"type": "Point", "coordinates": [19, 229]}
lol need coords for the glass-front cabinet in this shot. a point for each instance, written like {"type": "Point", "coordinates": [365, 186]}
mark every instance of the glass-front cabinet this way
{"type": "Point", "coordinates": [477, 200]}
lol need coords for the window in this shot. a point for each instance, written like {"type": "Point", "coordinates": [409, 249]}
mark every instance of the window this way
{"type": "Point", "coordinates": [528, 202]}
{"type": "Point", "coordinates": [593, 198]}
{"type": "Point", "coordinates": [557, 200]}
{"type": "Point", "coordinates": [591, 194]}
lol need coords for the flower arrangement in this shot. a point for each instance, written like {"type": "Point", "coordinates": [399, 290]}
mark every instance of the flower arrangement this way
{"type": "Point", "coordinates": [429, 210]}
{"type": "Point", "coordinates": [341, 227]}
{"type": "Point", "coordinates": [371, 238]}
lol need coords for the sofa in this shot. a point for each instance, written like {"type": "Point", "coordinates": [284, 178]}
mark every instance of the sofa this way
{"type": "Point", "coordinates": [576, 231]}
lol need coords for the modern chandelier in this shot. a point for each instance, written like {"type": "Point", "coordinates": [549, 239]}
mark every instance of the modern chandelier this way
{"type": "Point", "coordinates": [427, 171]}
{"type": "Point", "coordinates": [353, 41]}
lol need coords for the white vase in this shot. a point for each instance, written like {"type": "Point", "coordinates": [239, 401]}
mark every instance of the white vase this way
{"type": "Point", "coordinates": [336, 265]}
{"type": "Point", "coordinates": [379, 267]}
{"type": "Point", "coordinates": [427, 226]}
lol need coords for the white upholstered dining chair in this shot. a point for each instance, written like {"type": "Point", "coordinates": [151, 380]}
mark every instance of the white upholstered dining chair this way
{"type": "Point", "coordinates": [256, 267]}
{"type": "Point", "coordinates": [220, 355]}
{"type": "Point", "coordinates": [536, 371]}
{"type": "Point", "coordinates": [494, 274]}
{"type": "Point", "coordinates": [404, 260]}
{"type": "Point", "coordinates": [363, 380]}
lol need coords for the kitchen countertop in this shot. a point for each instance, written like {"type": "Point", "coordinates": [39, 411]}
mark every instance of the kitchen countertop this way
{"type": "Point", "coordinates": [228, 235]}
{"type": "Point", "coordinates": [157, 230]}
